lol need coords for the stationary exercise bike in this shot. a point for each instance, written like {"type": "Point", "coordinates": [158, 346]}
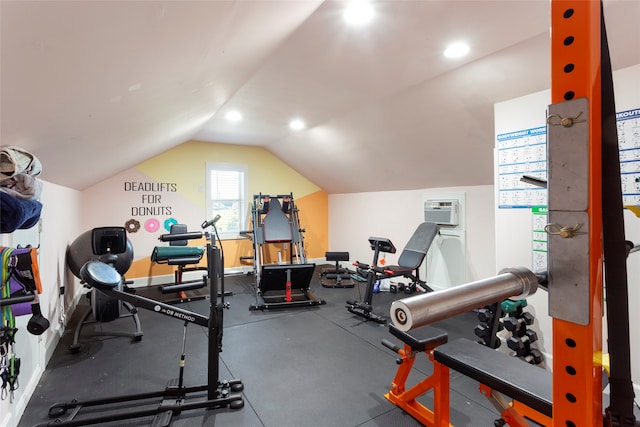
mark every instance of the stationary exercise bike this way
{"type": "Point", "coordinates": [175, 397]}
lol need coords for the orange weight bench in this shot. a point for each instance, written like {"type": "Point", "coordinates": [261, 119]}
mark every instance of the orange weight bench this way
{"type": "Point", "coordinates": [499, 375]}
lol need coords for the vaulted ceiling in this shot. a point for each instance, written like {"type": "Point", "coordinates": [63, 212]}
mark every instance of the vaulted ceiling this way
{"type": "Point", "coordinates": [96, 87]}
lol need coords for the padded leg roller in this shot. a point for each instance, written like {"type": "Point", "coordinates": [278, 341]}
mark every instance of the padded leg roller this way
{"type": "Point", "coordinates": [336, 277]}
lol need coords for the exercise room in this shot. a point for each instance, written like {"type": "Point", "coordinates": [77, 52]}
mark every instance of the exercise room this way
{"type": "Point", "coordinates": [320, 213]}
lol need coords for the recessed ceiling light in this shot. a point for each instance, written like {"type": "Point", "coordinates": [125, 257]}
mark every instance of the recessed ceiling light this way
{"type": "Point", "coordinates": [233, 116]}
{"type": "Point", "coordinates": [456, 50]}
{"type": "Point", "coordinates": [296, 124]}
{"type": "Point", "coordinates": [358, 12]}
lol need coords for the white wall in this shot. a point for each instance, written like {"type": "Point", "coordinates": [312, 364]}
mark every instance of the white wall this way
{"type": "Point", "coordinates": [514, 226]}
{"type": "Point", "coordinates": [353, 218]}
{"type": "Point", "coordinates": [57, 228]}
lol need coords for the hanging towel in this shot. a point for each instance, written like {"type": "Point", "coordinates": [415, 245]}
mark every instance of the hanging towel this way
{"type": "Point", "coordinates": [18, 213]}
{"type": "Point", "coordinates": [15, 160]}
{"type": "Point", "coordinates": [22, 186]}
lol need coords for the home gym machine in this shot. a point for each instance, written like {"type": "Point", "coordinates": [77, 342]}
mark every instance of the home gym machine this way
{"type": "Point", "coordinates": [186, 258]}
{"type": "Point", "coordinates": [408, 266]}
{"type": "Point", "coordinates": [586, 232]}
{"type": "Point", "coordinates": [175, 398]}
{"type": "Point", "coordinates": [336, 277]}
{"type": "Point", "coordinates": [275, 221]}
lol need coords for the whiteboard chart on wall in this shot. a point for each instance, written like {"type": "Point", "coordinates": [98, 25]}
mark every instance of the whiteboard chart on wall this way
{"type": "Point", "coordinates": [524, 152]}
{"type": "Point", "coordinates": [539, 246]}
{"type": "Point", "coordinates": [629, 142]}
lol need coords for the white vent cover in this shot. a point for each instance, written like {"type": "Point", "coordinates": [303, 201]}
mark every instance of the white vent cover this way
{"type": "Point", "coordinates": [442, 212]}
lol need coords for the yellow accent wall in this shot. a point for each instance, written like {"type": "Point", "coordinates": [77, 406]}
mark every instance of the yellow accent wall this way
{"type": "Point", "coordinates": [185, 165]}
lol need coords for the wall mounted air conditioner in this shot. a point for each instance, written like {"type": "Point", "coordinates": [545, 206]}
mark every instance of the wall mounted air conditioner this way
{"type": "Point", "coordinates": [442, 212]}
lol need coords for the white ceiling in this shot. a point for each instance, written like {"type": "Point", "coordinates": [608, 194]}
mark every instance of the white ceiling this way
{"type": "Point", "coordinates": [94, 88]}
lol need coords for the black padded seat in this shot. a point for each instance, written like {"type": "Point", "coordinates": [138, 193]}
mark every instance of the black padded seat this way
{"type": "Point", "coordinates": [528, 384]}
{"type": "Point", "coordinates": [99, 275]}
{"type": "Point", "coordinates": [414, 252]}
{"type": "Point", "coordinates": [421, 339]}
{"type": "Point", "coordinates": [276, 227]}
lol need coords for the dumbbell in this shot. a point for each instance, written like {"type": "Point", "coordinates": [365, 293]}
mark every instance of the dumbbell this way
{"type": "Point", "coordinates": [514, 323]}
{"type": "Point", "coordinates": [482, 331]}
{"type": "Point", "coordinates": [534, 357]}
{"type": "Point", "coordinates": [520, 344]}
{"type": "Point", "coordinates": [485, 315]}
{"type": "Point", "coordinates": [485, 342]}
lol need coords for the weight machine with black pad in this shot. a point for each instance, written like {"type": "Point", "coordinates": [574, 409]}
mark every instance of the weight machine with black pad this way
{"type": "Point", "coordinates": [287, 283]}
{"type": "Point", "coordinates": [180, 254]}
{"type": "Point", "coordinates": [408, 266]}
{"type": "Point", "coordinates": [176, 397]}
{"type": "Point", "coordinates": [336, 277]}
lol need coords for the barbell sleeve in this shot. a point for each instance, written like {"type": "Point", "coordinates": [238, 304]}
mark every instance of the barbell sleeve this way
{"type": "Point", "coordinates": [420, 310]}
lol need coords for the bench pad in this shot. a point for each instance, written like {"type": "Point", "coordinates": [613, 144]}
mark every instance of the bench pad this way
{"type": "Point", "coordinates": [526, 383]}
{"type": "Point", "coordinates": [421, 339]}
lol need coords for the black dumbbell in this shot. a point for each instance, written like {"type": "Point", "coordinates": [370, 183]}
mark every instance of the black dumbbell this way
{"type": "Point", "coordinates": [482, 331]}
{"type": "Point", "coordinates": [486, 340]}
{"type": "Point", "coordinates": [519, 344]}
{"type": "Point", "coordinates": [485, 315]}
{"type": "Point", "coordinates": [512, 323]}
{"type": "Point", "coordinates": [534, 357]}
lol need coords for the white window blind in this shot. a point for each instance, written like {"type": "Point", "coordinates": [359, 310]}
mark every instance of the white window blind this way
{"type": "Point", "coordinates": [226, 196]}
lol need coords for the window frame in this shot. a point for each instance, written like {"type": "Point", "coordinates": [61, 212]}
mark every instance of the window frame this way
{"type": "Point", "coordinates": [236, 167]}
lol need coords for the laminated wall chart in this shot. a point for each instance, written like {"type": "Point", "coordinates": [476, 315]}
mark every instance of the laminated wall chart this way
{"type": "Point", "coordinates": [524, 152]}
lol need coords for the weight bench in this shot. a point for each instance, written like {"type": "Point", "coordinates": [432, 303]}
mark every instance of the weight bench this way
{"type": "Point", "coordinates": [412, 257]}
{"type": "Point", "coordinates": [528, 385]}
{"type": "Point", "coordinates": [498, 373]}
{"type": "Point", "coordinates": [424, 339]}
{"type": "Point", "coordinates": [409, 264]}
{"type": "Point", "coordinates": [336, 277]}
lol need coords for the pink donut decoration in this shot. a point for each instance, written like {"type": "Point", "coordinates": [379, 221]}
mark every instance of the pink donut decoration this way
{"type": "Point", "coordinates": [152, 225]}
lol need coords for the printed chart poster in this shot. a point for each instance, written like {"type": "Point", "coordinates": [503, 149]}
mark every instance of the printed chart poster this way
{"type": "Point", "coordinates": [629, 141]}
{"type": "Point", "coordinates": [539, 217]}
{"type": "Point", "coordinates": [524, 152]}
{"type": "Point", "coordinates": [520, 153]}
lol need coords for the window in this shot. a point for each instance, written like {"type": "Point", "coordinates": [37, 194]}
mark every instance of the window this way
{"type": "Point", "coordinates": [226, 196]}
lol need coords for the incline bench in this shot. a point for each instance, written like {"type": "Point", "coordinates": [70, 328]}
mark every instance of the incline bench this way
{"type": "Point", "coordinates": [529, 386]}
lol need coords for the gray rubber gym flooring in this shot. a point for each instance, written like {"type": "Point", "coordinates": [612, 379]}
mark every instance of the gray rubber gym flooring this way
{"type": "Point", "coordinates": [311, 366]}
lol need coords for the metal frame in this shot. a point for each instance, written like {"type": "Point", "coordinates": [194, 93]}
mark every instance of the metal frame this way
{"type": "Point", "coordinates": [575, 74]}
{"type": "Point", "coordinates": [581, 144]}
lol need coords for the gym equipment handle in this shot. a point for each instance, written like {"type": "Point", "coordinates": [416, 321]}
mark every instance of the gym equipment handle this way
{"type": "Point", "coordinates": [391, 346]}
{"type": "Point", "coordinates": [413, 312]}
{"type": "Point", "coordinates": [180, 236]}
